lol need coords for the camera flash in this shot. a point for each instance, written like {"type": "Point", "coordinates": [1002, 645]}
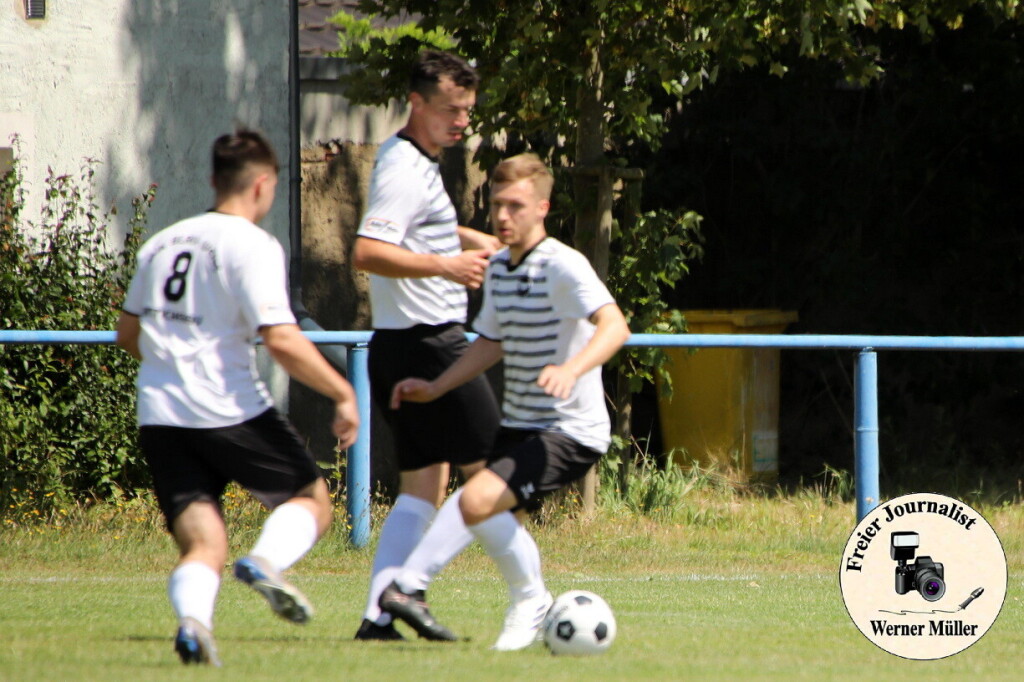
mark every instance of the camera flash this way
{"type": "Point", "coordinates": [905, 539]}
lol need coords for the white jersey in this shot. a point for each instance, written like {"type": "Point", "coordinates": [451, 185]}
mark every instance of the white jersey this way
{"type": "Point", "coordinates": [203, 288]}
{"type": "Point", "coordinates": [539, 310]}
{"type": "Point", "coordinates": [409, 207]}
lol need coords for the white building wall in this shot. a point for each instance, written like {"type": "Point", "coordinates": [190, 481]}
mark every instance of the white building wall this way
{"type": "Point", "coordinates": [143, 87]}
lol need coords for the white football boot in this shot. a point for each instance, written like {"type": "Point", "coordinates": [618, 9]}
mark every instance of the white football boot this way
{"type": "Point", "coordinates": [522, 623]}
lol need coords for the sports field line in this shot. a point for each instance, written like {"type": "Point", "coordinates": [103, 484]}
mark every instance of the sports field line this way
{"type": "Point", "coordinates": [652, 578]}
{"type": "Point", "coordinates": [33, 580]}
{"type": "Point", "coordinates": [575, 577]}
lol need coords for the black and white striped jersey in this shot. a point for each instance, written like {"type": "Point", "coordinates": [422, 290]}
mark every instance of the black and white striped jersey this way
{"type": "Point", "coordinates": [539, 310]}
{"type": "Point", "coordinates": [409, 207]}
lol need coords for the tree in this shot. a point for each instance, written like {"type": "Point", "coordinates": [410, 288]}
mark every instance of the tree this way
{"type": "Point", "coordinates": [576, 77]}
{"type": "Point", "coordinates": [578, 80]}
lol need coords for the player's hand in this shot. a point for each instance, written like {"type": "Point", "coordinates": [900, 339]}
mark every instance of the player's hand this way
{"type": "Point", "coordinates": [412, 390]}
{"type": "Point", "coordinates": [346, 423]}
{"type": "Point", "coordinates": [468, 267]}
{"type": "Point", "coordinates": [557, 381]}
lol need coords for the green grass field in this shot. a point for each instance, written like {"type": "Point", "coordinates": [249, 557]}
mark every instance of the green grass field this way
{"type": "Point", "coordinates": [727, 587]}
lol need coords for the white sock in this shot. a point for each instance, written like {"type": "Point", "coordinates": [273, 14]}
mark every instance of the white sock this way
{"type": "Point", "coordinates": [443, 541]}
{"type": "Point", "coordinates": [536, 585]}
{"type": "Point", "coordinates": [288, 533]}
{"type": "Point", "coordinates": [192, 589]}
{"type": "Point", "coordinates": [401, 531]}
{"type": "Point", "coordinates": [512, 548]}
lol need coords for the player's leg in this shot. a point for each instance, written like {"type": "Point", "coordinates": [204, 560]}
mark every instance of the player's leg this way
{"type": "Point", "coordinates": [485, 502]}
{"type": "Point", "coordinates": [194, 583]}
{"type": "Point", "coordinates": [287, 535]}
{"type": "Point", "coordinates": [420, 491]}
{"type": "Point", "coordinates": [445, 539]}
{"type": "Point", "coordinates": [447, 536]}
{"type": "Point", "coordinates": [405, 597]}
{"type": "Point", "coordinates": [292, 528]}
{"type": "Point", "coordinates": [527, 465]}
{"type": "Point", "coordinates": [486, 506]}
{"type": "Point", "coordinates": [494, 504]}
{"type": "Point", "coordinates": [421, 484]}
{"type": "Point", "coordinates": [457, 429]}
{"type": "Point", "coordinates": [266, 456]}
{"type": "Point", "coordinates": [401, 590]}
{"type": "Point", "coordinates": [187, 490]}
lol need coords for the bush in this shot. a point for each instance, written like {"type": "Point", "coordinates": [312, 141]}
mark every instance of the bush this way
{"type": "Point", "coordinates": [67, 424]}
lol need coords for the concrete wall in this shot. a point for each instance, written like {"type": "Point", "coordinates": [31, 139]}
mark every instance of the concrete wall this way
{"type": "Point", "coordinates": [143, 87]}
{"type": "Point", "coordinates": [328, 117]}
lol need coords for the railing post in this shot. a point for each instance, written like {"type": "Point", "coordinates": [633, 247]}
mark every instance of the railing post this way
{"type": "Point", "coordinates": [865, 438]}
{"type": "Point", "coordinates": [357, 471]}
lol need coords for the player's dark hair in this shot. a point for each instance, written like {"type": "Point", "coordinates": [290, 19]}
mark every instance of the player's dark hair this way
{"type": "Point", "coordinates": [525, 166]}
{"type": "Point", "coordinates": [432, 65]}
{"type": "Point", "coordinates": [235, 158]}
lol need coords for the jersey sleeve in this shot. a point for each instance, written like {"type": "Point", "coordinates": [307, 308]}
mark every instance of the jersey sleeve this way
{"type": "Point", "coordinates": [392, 206]}
{"type": "Point", "coordinates": [262, 285]}
{"type": "Point", "coordinates": [579, 289]}
{"type": "Point", "coordinates": [134, 301]}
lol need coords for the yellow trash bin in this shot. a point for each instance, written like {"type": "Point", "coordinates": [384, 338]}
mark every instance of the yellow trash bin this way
{"type": "Point", "coordinates": [724, 410]}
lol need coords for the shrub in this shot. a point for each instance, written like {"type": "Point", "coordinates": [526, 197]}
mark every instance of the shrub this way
{"type": "Point", "coordinates": [67, 426]}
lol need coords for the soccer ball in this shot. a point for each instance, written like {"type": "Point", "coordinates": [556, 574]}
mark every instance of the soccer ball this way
{"type": "Point", "coordinates": [579, 623]}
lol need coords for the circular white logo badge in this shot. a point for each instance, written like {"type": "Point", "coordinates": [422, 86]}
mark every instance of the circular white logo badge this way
{"type": "Point", "coordinates": [923, 576]}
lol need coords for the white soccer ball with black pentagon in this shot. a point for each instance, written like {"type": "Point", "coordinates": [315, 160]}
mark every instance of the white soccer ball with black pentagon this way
{"type": "Point", "coordinates": [579, 623]}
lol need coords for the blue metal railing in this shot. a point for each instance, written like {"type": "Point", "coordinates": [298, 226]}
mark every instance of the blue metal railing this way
{"type": "Point", "coordinates": [866, 456]}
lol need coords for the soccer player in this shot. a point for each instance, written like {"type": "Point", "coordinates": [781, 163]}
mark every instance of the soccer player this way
{"type": "Point", "coordinates": [410, 242]}
{"type": "Point", "coordinates": [205, 287]}
{"type": "Point", "coordinates": [551, 320]}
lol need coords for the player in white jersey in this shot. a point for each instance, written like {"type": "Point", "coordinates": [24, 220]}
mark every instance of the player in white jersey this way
{"type": "Point", "coordinates": [551, 320]}
{"type": "Point", "coordinates": [410, 242]}
{"type": "Point", "coordinates": [204, 289]}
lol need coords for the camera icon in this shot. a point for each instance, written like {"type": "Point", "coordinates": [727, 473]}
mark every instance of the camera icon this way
{"type": "Point", "coordinates": [924, 575]}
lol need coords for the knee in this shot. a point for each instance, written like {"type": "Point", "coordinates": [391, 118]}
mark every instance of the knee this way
{"type": "Point", "coordinates": [200, 535]}
{"type": "Point", "coordinates": [475, 509]}
{"type": "Point", "coordinates": [209, 551]}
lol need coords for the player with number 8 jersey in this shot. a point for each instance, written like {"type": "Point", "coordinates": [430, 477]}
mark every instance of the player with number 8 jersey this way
{"type": "Point", "coordinates": [205, 285]}
{"type": "Point", "coordinates": [205, 288]}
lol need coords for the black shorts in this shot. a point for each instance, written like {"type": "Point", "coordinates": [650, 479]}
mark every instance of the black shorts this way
{"type": "Point", "coordinates": [264, 455]}
{"type": "Point", "coordinates": [537, 463]}
{"type": "Point", "coordinates": [459, 427]}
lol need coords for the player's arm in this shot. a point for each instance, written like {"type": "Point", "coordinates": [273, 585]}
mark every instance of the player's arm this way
{"type": "Point", "coordinates": [612, 331]}
{"type": "Point", "coordinates": [481, 355]}
{"type": "Point", "coordinates": [390, 260]}
{"type": "Point", "coordinates": [301, 359]}
{"type": "Point", "coordinates": [475, 239]}
{"type": "Point", "coordinates": [128, 330]}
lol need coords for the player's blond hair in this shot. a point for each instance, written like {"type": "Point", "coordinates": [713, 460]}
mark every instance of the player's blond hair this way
{"type": "Point", "coordinates": [525, 166]}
